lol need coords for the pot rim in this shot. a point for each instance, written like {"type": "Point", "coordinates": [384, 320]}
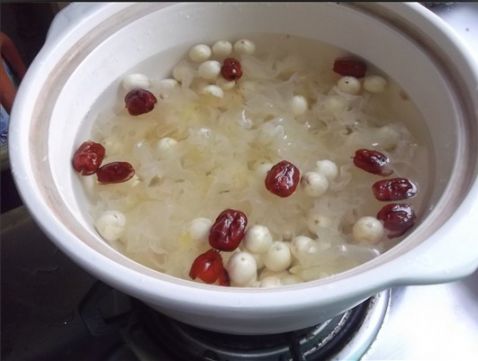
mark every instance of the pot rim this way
{"type": "Point", "coordinates": [153, 285]}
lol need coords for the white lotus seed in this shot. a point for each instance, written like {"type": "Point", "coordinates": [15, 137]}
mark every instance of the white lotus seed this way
{"type": "Point", "coordinates": [349, 85]}
{"type": "Point", "coordinates": [199, 53]}
{"type": "Point", "coordinates": [244, 46]}
{"type": "Point", "coordinates": [335, 103]}
{"type": "Point", "coordinates": [135, 81]}
{"type": "Point", "coordinates": [242, 268]}
{"type": "Point", "coordinates": [315, 222]}
{"type": "Point", "coordinates": [222, 48]}
{"type": "Point", "coordinates": [298, 105]}
{"type": "Point", "coordinates": [303, 244]}
{"type": "Point", "coordinates": [278, 257]}
{"type": "Point", "coordinates": [258, 239]}
{"type": "Point", "coordinates": [374, 84]}
{"type": "Point", "coordinates": [225, 84]}
{"type": "Point", "coordinates": [199, 229]}
{"type": "Point", "coordinates": [110, 225]}
{"type": "Point", "coordinates": [165, 146]}
{"type": "Point", "coordinates": [368, 230]}
{"type": "Point", "coordinates": [166, 85]}
{"type": "Point", "coordinates": [209, 70]}
{"type": "Point", "coordinates": [259, 261]}
{"type": "Point", "coordinates": [213, 90]}
{"type": "Point", "coordinates": [314, 184]}
{"type": "Point", "coordinates": [327, 168]}
{"type": "Point", "coordinates": [182, 71]}
{"type": "Point", "coordinates": [388, 137]}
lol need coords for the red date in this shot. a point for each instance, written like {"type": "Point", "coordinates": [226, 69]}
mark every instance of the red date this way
{"type": "Point", "coordinates": [223, 279]}
{"type": "Point", "coordinates": [372, 161]}
{"type": "Point", "coordinates": [209, 268]}
{"type": "Point", "coordinates": [282, 179]}
{"type": "Point", "coordinates": [397, 218]}
{"type": "Point", "coordinates": [115, 172]}
{"type": "Point", "coordinates": [394, 189]}
{"type": "Point", "coordinates": [88, 157]}
{"type": "Point", "coordinates": [350, 67]}
{"type": "Point", "coordinates": [139, 101]}
{"type": "Point", "coordinates": [231, 69]}
{"type": "Point", "coordinates": [228, 230]}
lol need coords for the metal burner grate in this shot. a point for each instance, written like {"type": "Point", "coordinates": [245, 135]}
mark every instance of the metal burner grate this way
{"type": "Point", "coordinates": [321, 342]}
{"type": "Point", "coordinates": [150, 335]}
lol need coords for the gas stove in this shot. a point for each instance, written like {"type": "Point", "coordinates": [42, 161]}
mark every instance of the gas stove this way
{"type": "Point", "coordinates": [54, 310]}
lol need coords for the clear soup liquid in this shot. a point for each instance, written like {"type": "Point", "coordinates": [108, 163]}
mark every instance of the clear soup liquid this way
{"type": "Point", "coordinates": [225, 147]}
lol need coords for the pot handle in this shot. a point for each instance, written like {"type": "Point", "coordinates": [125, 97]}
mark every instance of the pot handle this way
{"type": "Point", "coordinates": [70, 16]}
{"type": "Point", "coordinates": [450, 254]}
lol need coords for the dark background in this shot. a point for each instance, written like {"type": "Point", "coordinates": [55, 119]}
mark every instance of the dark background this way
{"type": "Point", "coordinates": [27, 25]}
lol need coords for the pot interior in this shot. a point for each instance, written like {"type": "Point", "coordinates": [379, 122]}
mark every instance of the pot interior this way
{"type": "Point", "coordinates": [86, 78]}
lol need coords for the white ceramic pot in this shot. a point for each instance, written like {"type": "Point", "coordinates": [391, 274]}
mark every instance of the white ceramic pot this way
{"type": "Point", "coordinates": [89, 48]}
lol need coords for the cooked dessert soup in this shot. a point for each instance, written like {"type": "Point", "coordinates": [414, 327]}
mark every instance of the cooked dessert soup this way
{"type": "Point", "coordinates": [260, 161]}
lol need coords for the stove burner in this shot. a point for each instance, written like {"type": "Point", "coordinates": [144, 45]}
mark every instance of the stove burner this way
{"type": "Point", "coordinates": [150, 335]}
{"type": "Point", "coordinates": [185, 342]}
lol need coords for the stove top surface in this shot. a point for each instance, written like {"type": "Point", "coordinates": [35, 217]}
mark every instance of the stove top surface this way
{"type": "Point", "coordinates": [44, 296]}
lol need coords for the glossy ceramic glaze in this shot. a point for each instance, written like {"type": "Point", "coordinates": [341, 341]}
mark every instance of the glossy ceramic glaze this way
{"type": "Point", "coordinates": [89, 48]}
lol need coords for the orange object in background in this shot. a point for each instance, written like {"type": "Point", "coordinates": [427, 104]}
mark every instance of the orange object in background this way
{"type": "Point", "coordinates": [11, 57]}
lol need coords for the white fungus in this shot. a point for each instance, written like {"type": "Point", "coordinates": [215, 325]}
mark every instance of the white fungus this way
{"type": "Point", "coordinates": [368, 230]}
{"type": "Point", "coordinates": [270, 282]}
{"type": "Point", "coordinates": [110, 225]}
{"type": "Point", "coordinates": [247, 86]}
{"type": "Point", "coordinates": [314, 184]}
{"type": "Point", "coordinates": [199, 229]}
{"type": "Point", "coordinates": [349, 85]}
{"type": "Point", "coordinates": [289, 279]}
{"type": "Point", "coordinates": [213, 90]}
{"type": "Point", "coordinates": [270, 131]}
{"type": "Point", "coordinates": [222, 48]}
{"type": "Point", "coordinates": [199, 53]}
{"type": "Point", "coordinates": [278, 257]}
{"type": "Point", "coordinates": [244, 46]}
{"type": "Point", "coordinates": [242, 268]}
{"type": "Point", "coordinates": [374, 83]}
{"type": "Point", "coordinates": [89, 183]}
{"type": "Point", "coordinates": [209, 154]}
{"type": "Point", "coordinates": [134, 181]}
{"type": "Point", "coordinates": [298, 105]}
{"type": "Point", "coordinates": [135, 81]}
{"type": "Point", "coordinates": [263, 168]}
{"type": "Point", "coordinates": [327, 168]}
{"type": "Point", "coordinates": [258, 239]}
{"type": "Point", "coordinates": [209, 70]}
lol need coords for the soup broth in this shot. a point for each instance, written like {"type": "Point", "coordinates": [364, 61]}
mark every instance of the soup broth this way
{"type": "Point", "coordinates": [201, 151]}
